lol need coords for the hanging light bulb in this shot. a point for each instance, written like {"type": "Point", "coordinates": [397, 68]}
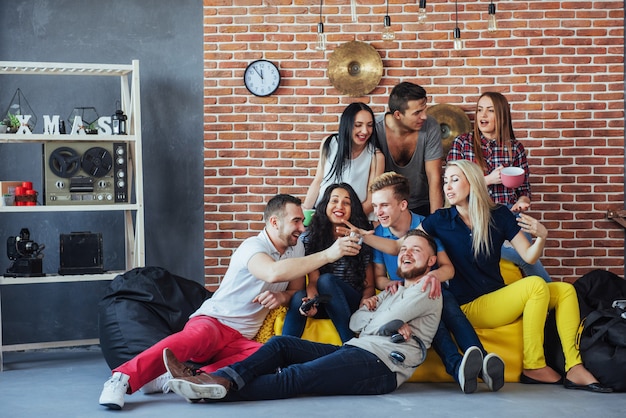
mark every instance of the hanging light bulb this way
{"type": "Point", "coordinates": [353, 10]}
{"type": "Point", "coordinates": [388, 33]}
{"type": "Point", "coordinates": [458, 43]}
{"type": "Point", "coordinates": [320, 44]}
{"type": "Point", "coordinates": [492, 24]}
{"type": "Point", "coordinates": [421, 13]}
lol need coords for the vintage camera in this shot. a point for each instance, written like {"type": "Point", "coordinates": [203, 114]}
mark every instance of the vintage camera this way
{"type": "Point", "coordinates": [26, 256]}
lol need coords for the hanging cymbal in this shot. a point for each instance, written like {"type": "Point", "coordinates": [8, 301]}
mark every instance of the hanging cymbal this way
{"type": "Point", "coordinates": [355, 68]}
{"type": "Point", "coordinates": [453, 122]}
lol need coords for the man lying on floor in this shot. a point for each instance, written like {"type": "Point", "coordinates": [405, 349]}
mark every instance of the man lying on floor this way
{"type": "Point", "coordinates": [395, 331]}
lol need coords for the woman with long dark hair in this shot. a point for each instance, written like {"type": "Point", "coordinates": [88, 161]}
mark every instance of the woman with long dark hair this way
{"type": "Point", "coordinates": [342, 284]}
{"type": "Point", "coordinates": [349, 156]}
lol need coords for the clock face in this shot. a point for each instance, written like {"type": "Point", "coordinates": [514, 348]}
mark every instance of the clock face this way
{"type": "Point", "coordinates": [261, 78]}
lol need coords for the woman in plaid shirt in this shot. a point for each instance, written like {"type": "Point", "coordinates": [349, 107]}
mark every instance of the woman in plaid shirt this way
{"type": "Point", "coordinates": [492, 145]}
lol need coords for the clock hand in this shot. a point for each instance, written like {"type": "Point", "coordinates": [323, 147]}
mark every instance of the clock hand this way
{"type": "Point", "coordinates": [260, 73]}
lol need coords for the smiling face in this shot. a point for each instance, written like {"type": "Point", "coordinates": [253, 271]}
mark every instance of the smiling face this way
{"type": "Point", "coordinates": [415, 257]}
{"type": "Point", "coordinates": [414, 116]}
{"type": "Point", "coordinates": [290, 226]}
{"type": "Point", "coordinates": [339, 206]}
{"type": "Point", "coordinates": [362, 129]}
{"type": "Point", "coordinates": [486, 117]}
{"type": "Point", "coordinates": [456, 188]}
{"type": "Point", "coordinates": [387, 208]}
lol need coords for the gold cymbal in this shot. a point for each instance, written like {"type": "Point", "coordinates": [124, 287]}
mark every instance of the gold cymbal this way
{"type": "Point", "coordinates": [453, 122]}
{"type": "Point", "coordinates": [355, 68]}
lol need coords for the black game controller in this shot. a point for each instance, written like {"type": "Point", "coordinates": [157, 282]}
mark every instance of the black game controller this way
{"type": "Point", "coordinates": [315, 301]}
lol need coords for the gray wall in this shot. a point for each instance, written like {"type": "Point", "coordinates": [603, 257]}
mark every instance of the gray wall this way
{"type": "Point", "coordinates": [166, 38]}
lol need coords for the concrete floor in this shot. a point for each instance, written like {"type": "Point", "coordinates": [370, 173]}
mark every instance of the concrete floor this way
{"type": "Point", "coordinates": [67, 383]}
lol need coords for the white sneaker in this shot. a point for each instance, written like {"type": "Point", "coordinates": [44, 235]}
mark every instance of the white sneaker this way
{"type": "Point", "coordinates": [493, 372]}
{"type": "Point", "coordinates": [115, 388]}
{"type": "Point", "coordinates": [470, 369]}
{"type": "Point", "coordinates": [158, 385]}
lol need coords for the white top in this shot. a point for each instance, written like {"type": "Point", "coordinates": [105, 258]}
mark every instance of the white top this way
{"type": "Point", "coordinates": [232, 303]}
{"type": "Point", "coordinates": [357, 175]}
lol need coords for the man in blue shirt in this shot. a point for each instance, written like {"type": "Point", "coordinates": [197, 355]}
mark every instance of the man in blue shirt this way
{"type": "Point", "coordinates": [390, 193]}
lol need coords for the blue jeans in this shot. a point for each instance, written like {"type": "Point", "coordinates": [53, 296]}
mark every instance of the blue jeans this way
{"type": "Point", "coordinates": [344, 301]}
{"type": "Point", "coordinates": [286, 367]}
{"type": "Point", "coordinates": [453, 321]}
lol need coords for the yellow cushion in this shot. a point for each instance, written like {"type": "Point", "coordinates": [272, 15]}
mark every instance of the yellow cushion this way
{"type": "Point", "coordinates": [318, 330]}
{"type": "Point", "coordinates": [505, 341]}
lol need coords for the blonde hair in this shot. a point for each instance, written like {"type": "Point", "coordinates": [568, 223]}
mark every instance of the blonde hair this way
{"type": "Point", "coordinates": [480, 206]}
{"type": "Point", "coordinates": [399, 183]}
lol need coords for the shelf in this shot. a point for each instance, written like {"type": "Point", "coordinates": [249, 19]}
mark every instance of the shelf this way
{"type": "Point", "coordinates": [133, 213]}
{"type": "Point", "coordinates": [71, 208]}
{"type": "Point", "coordinates": [106, 276]}
{"type": "Point", "coordinates": [58, 68]}
{"type": "Point", "coordinates": [41, 138]}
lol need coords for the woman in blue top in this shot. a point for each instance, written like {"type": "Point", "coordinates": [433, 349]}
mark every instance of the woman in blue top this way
{"type": "Point", "coordinates": [348, 280]}
{"type": "Point", "coordinates": [473, 230]}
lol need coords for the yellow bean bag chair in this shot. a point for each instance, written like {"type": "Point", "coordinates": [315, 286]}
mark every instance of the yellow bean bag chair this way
{"type": "Point", "coordinates": [506, 341]}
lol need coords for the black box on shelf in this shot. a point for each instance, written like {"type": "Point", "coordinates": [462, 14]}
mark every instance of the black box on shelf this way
{"type": "Point", "coordinates": [81, 253]}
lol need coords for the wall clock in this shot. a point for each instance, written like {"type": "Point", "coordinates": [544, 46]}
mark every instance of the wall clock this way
{"type": "Point", "coordinates": [261, 78]}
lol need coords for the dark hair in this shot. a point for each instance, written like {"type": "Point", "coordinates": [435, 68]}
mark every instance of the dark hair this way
{"type": "Point", "coordinates": [420, 233]}
{"type": "Point", "coordinates": [399, 183]}
{"type": "Point", "coordinates": [504, 127]}
{"type": "Point", "coordinates": [344, 139]}
{"type": "Point", "coordinates": [321, 230]}
{"type": "Point", "coordinates": [402, 94]}
{"type": "Point", "coordinates": [276, 205]}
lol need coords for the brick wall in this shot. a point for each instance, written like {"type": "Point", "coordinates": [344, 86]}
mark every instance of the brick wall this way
{"type": "Point", "coordinates": [560, 64]}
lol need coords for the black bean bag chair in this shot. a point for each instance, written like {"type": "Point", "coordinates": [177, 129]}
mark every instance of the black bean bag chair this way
{"type": "Point", "coordinates": [141, 307]}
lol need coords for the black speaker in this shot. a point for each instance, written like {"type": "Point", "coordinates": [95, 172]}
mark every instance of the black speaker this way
{"type": "Point", "coordinates": [81, 253]}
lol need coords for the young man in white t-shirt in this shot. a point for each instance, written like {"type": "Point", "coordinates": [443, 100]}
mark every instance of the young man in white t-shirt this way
{"type": "Point", "coordinates": [264, 273]}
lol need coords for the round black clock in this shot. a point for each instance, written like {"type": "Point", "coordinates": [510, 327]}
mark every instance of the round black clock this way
{"type": "Point", "coordinates": [261, 78]}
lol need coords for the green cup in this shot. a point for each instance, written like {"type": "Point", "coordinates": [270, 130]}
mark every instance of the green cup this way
{"type": "Point", "coordinates": [308, 214]}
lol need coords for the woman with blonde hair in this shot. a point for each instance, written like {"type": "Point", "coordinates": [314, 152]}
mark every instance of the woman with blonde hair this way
{"type": "Point", "coordinates": [472, 229]}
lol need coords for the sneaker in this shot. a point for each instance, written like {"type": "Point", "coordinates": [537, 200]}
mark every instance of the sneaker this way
{"type": "Point", "coordinates": [493, 372]}
{"type": "Point", "coordinates": [470, 369]}
{"type": "Point", "coordinates": [202, 386]}
{"type": "Point", "coordinates": [115, 388]}
{"type": "Point", "coordinates": [158, 385]}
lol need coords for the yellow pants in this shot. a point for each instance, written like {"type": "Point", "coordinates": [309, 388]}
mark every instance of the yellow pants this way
{"type": "Point", "coordinates": [531, 298]}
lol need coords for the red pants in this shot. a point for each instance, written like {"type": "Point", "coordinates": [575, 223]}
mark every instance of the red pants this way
{"type": "Point", "coordinates": [203, 340]}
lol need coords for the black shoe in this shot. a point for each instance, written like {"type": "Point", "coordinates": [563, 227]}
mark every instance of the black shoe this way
{"type": "Point", "coordinates": [592, 387]}
{"type": "Point", "coordinates": [530, 381]}
{"type": "Point", "coordinates": [469, 369]}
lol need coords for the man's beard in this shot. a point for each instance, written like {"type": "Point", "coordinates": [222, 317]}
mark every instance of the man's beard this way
{"type": "Point", "coordinates": [413, 273]}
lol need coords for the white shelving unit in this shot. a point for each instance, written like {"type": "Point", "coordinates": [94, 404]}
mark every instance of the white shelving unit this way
{"type": "Point", "coordinates": [133, 211]}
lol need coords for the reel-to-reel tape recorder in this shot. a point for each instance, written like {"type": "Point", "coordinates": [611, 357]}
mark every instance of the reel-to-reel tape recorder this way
{"type": "Point", "coordinates": [85, 173]}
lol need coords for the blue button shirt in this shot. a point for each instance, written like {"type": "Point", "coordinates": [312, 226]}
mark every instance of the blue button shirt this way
{"type": "Point", "coordinates": [391, 261]}
{"type": "Point", "coordinates": [473, 277]}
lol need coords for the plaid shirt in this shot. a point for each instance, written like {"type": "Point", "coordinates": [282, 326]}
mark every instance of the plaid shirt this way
{"type": "Point", "coordinates": [495, 156]}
